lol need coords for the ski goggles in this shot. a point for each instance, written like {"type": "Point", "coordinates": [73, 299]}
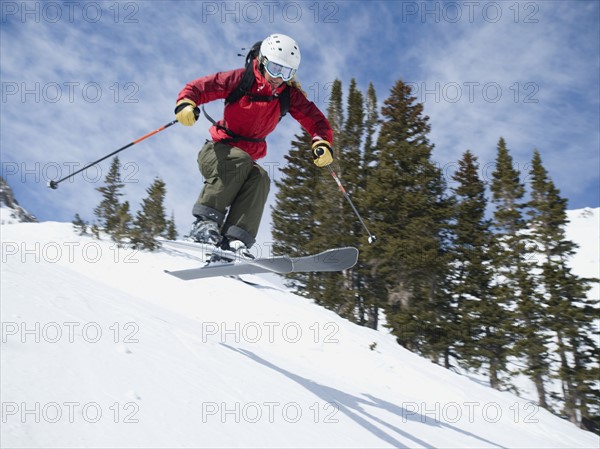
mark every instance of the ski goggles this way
{"type": "Point", "coordinates": [278, 70]}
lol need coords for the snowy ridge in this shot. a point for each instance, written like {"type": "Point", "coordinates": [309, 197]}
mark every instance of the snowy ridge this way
{"type": "Point", "coordinates": [100, 348]}
{"type": "Point", "coordinates": [10, 210]}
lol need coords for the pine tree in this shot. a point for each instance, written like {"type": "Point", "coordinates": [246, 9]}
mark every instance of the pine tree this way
{"type": "Point", "coordinates": [311, 215]}
{"type": "Point", "coordinates": [350, 147]}
{"type": "Point", "coordinates": [80, 226]}
{"type": "Point", "coordinates": [121, 229]}
{"type": "Point", "coordinates": [95, 230]}
{"type": "Point", "coordinates": [335, 110]}
{"type": "Point", "coordinates": [294, 227]}
{"type": "Point", "coordinates": [507, 193]}
{"type": "Point", "coordinates": [371, 125]}
{"type": "Point", "coordinates": [409, 212]}
{"type": "Point", "coordinates": [343, 289]}
{"type": "Point", "coordinates": [371, 292]}
{"type": "Point", "coordinates": [515, 287]}
{"type": "Point", "coordinates": [333, 290]}
{"type": "Point", "coordinates": [328, 204]}
{"type": "Point", "coordinates": [171, 232]}
{"type": "Point", "coordinates": [478, 314]}
{"type": "Point", "coordinates": [150, 221]}
{"type": "Point", "coordinates": [354, 176]}
{"type": "Point", "coordinates": [106, 212]}
{"type": "Point", "coordinates": [569, 315]}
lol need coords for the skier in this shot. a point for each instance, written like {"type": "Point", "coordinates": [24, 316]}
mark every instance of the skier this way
{"type": "Point", "coordinates": [230, 207]}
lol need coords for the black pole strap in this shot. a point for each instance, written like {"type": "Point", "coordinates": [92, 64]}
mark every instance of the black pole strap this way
{"type": "Point", "coordinates": [234, 137]}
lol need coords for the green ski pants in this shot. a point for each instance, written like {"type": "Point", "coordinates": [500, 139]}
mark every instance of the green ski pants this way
{"type": "Point", "coordinates": [232, 180]}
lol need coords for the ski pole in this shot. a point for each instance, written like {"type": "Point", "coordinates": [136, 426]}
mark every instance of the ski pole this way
{"type": "Point", "coordinates": [54, 184]}
{"type": "Point", "coordinates": [372, 238]}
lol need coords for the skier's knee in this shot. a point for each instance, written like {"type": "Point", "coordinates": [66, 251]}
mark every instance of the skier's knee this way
{"type": "Point", "coordinates": [264, 181]}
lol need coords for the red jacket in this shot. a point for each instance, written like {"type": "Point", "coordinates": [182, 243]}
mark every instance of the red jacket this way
{"type": "Point", "coordinates": [254, 119]}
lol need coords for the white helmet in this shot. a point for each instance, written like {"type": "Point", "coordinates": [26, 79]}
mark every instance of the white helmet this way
{"type": "Point", "coordinates": [283, 50]}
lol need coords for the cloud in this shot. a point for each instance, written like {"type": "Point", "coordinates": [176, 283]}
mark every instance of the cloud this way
{"type": "Point", "coordinates": [76, 90]}
{"type": "Point", "coordinates": [520, 80]}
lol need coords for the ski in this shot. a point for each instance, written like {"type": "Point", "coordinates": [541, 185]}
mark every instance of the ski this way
{"type": "Point", "coordinates": [220, 269]}
{"type": "Point", "coordinates": [336, 259]}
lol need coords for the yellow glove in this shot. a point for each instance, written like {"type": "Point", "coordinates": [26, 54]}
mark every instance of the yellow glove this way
{"type": "Point", "coordinates": [184, 112]}
{"type": "Point", "coordinates": [322, 153]}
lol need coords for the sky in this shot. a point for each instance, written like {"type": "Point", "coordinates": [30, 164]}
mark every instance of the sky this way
{"type": "Point", "coordinates": [81, 79]}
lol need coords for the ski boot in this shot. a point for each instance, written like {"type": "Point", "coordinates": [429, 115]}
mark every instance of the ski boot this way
{"type": "Point", "coordinates": [205, 231]}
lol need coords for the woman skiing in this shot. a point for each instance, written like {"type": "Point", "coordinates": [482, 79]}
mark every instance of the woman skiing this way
{"type": "Point", "coordinates": [230, 207]}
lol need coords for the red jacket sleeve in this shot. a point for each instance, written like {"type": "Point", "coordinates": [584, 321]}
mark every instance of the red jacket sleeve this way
{"type": "Point", "coordinates": [309, 116]}
{"type": "Point", "coordinates": [211, 87]}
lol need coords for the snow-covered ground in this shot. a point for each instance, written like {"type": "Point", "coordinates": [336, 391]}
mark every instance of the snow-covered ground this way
{"type": "Point", "coordinates": [584, 229]}
{"type": "Point", "coordinates": [100, 348]}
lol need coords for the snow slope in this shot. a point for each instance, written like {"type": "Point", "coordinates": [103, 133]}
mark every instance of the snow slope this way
{"type": "Point", "coordinates": [584, 229]}
{"type": "Point", "coordinates": [100, 348]}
